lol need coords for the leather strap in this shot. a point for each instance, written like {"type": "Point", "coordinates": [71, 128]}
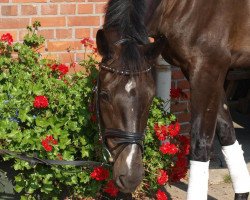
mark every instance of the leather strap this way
{"type": "Point", "coordinates": [33, 160]}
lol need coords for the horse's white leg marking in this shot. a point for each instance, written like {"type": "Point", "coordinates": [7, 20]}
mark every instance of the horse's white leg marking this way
{"type": "Point", "coordinates": [130, 85]}
{"type": "Point", "coordinates": [130, 156]}
{"type": "Point", "coordinates": [198, 180]}
{"type": "Point", "coordinates": [237, 167]}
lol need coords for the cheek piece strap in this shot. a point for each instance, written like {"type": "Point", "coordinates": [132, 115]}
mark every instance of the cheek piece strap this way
{"type": "Point", "coordinates": [198, 178]}
{"type": "Point", "coordinates": [237, 167]}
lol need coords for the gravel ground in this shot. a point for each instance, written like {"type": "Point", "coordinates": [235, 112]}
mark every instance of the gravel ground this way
{"type": "Point", "coordinates": [222, 191]}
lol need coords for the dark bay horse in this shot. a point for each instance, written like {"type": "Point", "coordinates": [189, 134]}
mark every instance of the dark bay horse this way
{"type": "Point", "coordinates": [205, 38]}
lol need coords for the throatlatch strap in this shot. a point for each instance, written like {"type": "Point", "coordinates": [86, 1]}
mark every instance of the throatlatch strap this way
{"type": "Point", "coordinates": [198, 180]}
{"type": "Point", "coordinates": [237, 167]}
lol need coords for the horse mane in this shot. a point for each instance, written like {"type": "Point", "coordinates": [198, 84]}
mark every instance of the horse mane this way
{"type": "Point", "coordinates": [127, 17]}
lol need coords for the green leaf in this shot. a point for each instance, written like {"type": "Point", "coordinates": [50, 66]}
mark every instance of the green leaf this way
{"type": "Point", "coordinates": [42, 122]}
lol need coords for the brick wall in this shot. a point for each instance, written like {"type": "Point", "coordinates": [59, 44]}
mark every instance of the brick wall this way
{"type": "Point", "coordinates": [181, 109]}
{"type": "Point", "coordinates": [64, 24]}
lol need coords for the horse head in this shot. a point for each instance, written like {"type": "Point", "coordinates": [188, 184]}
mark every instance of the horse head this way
{"type": "Point", "coordinates": [125, 91]}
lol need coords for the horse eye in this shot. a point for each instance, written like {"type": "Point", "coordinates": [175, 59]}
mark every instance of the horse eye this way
{"type": "Point", "coordinates": [104, 95]}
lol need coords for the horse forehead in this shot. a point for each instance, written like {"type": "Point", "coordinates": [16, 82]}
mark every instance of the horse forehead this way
{"type": "Point", "coordinates": [131, 84]}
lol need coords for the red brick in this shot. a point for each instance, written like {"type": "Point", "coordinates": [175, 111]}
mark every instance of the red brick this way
{"type": "Point", "coordinates": [95, 32]}
{"type": "Point", "coordinates": [98, 1]}
{"type": "Point", "coordinates": [64, 33]}
{"type": "Point", "coordinates": [102, 19]}
{"type": "Point", "coordinates": [50, 56]}
{"type": "Point", "coordinates": [67, 9]}
{"type": "Point", "coordinates": [22, 33]}
{"type": "Point", "coordinates": [63, 45]}
{"type": "Point", "coordinates": [187, 92]}
{"type": "Point", "coordinates": [9, 10]}
{"type": "Point", "coordinates": [13, 23]}
{"type": "Point", "coordinates": [29, 10]}
{"type": "Point", "coordinates": [179, 107]}
{"type": "Point", "coordinates": [78, 1]}
{"type": "Point", "coordinates": [77, 68]}
{"type": "Point", "coordinates": [82, 32]}
{"type": "Point", "coordinates": [50, 21]}
{"type": "Point", "coordinates": [50, 9]}
{"type": "Point", "coordinates": [83, 21]}
{"type": "Point", "coordinates": [29, 1]}
{"type": "Point", "coordinates": [100, 8]}
{"type": "Point", "coordinates": [183, 84]}
{"type": "Point", "coordinates": [48, 34]}
{"type": "Point", "coordinates": [177, 74]}
{"type": "Point", "coordinates": [185, 128]}
{"type": "Point", "coordinates": [183, 117]}
{"type": "Point", "coordinates": [66, 57]}
{"type": "Point", "coordinates": [82, 55]}
{"type": "Point", "coordinates": [4, 1]}
{"type": "Point", "coordinates": [85, 8]}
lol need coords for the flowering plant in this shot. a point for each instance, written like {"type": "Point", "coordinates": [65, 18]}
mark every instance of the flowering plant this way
{"type": "Point", "coordinates": [168, 149]}
{"type": "Point", "coordinates": [48, 112]}
{"type": "Point", "coordinates": [44, 111]}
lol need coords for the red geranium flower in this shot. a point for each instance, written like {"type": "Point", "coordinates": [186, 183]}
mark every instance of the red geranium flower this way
{"type": "Point", "coordinates": [175, 93]}
{"type": "Point", "coordinates": [51, 139]}
{"type": "Point", "coordinates": [162, 178]}
{"type": "Point", "coordinates": [48, 142]}
{"type": "Point", "coordinates": [185, 144]}
{"type": "Point", "coordinates": [93, 118]}
{"type": "Point", "coordinates": [111, 189]}
{"type": "Point", "coordinates": [180, 169]}
{"type": "Point", "coordinates": [63, 69]}
{"type": "Point", "coordinates": [41, 102]}
{"type": "Point", "coordinates": [53, 67]}
{"type": "Point", "coordinates": [168, 148]}
{"type": "Point", "coordinates": [174, 129]}
{"type": "Point", "coordinates": [95, 50]}
{"type": "Point", "coordinates": [100, 174]}
{"type": "Point", "coordinates": [46, 145]}
{"type": "Point", "coordinates": [73, 64]}
{"type": "Point", "coordinates": [59, 156]}
{"type": "Point", "coordinates": [160, 195]}
{"type": "Point", "coordinates": [160, 131]}
{"type": "Point", "coordinates": [7, 38]}
{"type": "Point", "coordinates": [87, 42]}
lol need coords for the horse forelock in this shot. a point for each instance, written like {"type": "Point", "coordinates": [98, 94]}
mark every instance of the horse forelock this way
{"type": "Point", "coordinates": [127, 17]}
{"type": "Point", "coordinates": [132, 60]}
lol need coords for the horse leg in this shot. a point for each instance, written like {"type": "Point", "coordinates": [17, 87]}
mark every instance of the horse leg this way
{"type": "Point", "coordinates": [232, 152]}
{"type": "Point", "coordinates": [206, 84]}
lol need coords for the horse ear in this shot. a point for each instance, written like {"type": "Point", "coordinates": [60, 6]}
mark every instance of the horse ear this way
{"type": "Point", "coordinates": [102, 44]}
{"type": "Point", "coordinates": [153, 50]}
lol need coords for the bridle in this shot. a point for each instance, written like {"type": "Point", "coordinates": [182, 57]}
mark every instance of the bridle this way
{"type": "Point", "coordinates": [125, 138]}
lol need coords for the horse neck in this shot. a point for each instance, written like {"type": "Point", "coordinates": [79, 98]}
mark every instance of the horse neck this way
{"type": "Point", "coordinates": [171, 13]}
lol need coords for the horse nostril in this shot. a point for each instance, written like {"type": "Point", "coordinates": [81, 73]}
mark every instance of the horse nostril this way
{"type": "Point", "coordinates": [127, 184]}
{"type": "Point", "coordinates": [120, 182]}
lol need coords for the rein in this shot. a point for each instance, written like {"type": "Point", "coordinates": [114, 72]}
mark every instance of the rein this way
{"type": "Point", "coordinates": [33, 160]}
